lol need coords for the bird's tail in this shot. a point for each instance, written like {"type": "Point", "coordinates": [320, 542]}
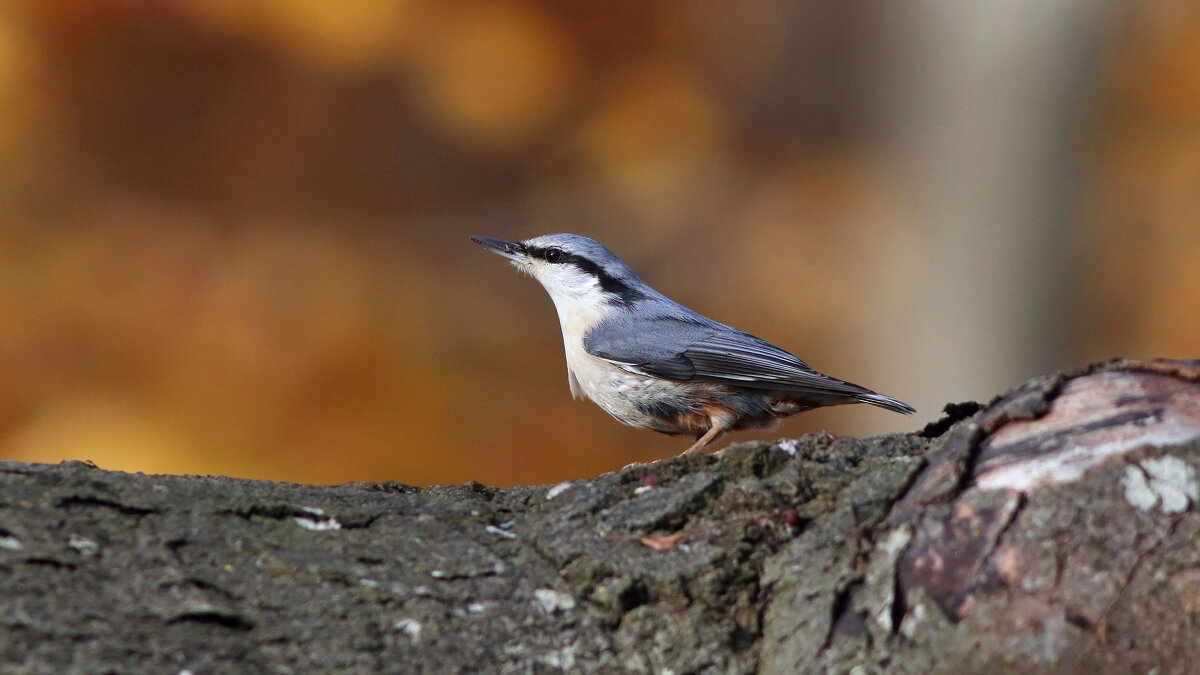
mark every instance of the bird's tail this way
{"type": "Point", "coordinates": [893, 404]}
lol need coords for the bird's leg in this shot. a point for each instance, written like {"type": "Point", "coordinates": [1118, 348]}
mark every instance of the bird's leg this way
{"type": "Point", "coordinates": [714, 432]}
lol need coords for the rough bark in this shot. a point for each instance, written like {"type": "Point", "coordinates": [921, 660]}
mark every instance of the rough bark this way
{"type": "Point", "coordinates": [1053, 529]}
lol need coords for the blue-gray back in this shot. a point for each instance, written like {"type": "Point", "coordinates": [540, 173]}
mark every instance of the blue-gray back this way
{"type": "Point", "coordinates": [662, 338]}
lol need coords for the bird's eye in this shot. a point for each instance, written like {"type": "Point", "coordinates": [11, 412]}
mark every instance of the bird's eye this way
{"type": "Point", "coordinates": [553, 255]}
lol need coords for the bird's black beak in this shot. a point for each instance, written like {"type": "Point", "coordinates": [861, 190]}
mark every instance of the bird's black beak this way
{"type": "Point", "coordinates": [509, 249]}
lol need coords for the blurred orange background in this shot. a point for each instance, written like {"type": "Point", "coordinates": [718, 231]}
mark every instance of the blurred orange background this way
{"type": "Point", "coordinates": [233, 233]}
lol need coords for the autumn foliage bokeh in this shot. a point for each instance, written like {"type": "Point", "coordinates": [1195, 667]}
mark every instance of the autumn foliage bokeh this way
{"type": "Point", "coordinates": [233, 233]}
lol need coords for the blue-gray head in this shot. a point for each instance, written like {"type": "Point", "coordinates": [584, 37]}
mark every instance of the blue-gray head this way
{"type": "Point", "coordinates": [574, 269]}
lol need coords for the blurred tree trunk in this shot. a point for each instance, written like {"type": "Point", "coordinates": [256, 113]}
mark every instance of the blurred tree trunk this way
{"type": "Point", "coordinates": [1054, 528]}
{"type": "Point", "coordinates": [978, 106]}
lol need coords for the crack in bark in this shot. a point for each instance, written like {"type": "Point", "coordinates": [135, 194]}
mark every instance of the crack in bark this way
{"type": "Point", "coordinates": [1101, 626]}
{"type": "Point", "coordinates": [88, 500]}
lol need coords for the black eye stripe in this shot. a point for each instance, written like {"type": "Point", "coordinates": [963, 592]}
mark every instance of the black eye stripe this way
{"type": "Point", "coordinates": [622, 293]}
{"type": "Point", "coordinates": [551, 254]}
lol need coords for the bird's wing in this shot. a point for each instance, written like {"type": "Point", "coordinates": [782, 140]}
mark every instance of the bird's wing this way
{"type": "Point", "coordinates": [651, 346]}
{"type": "Point", "coordinates": [689, 349]}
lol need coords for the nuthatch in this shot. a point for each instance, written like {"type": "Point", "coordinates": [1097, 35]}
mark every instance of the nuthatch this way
{"type": "Point", "coordinates": [652, 363]}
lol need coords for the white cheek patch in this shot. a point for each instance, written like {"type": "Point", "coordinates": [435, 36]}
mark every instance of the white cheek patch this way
{"type": "Point", "coordinates": [568, 285]}
{"type": "Point", "coordinates": [576, 282]}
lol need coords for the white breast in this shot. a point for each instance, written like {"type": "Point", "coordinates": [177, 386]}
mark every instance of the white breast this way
{"type": "Point", "coordinates": [586, 373]}
{"type": "Point", "coordinates": [581, 304]}
{"type": "Point", "coordinates": [615, 389]}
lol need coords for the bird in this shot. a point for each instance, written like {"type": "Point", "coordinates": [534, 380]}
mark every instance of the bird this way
{"type": "Point", "coordinates": [652, 363]}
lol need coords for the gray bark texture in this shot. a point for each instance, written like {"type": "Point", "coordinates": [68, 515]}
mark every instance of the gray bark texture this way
{"type": "Point", "coordinates": [1053, 529]}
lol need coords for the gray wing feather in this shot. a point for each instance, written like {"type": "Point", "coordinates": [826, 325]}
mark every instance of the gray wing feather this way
{"type": "Point", "coordinates": [688, 347]}
{"type": "Point", "coordinates": [655, 346]}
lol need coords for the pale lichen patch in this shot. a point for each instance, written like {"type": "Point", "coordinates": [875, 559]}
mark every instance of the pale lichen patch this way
{"type": "Point", "coordinates": [1167, 483]}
